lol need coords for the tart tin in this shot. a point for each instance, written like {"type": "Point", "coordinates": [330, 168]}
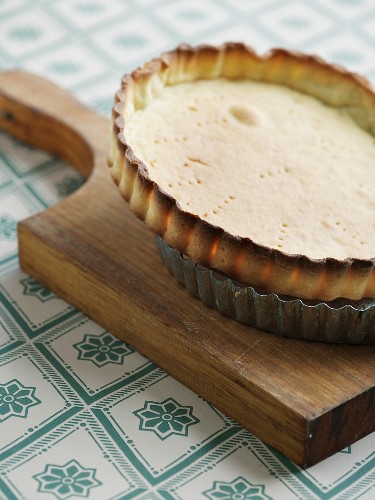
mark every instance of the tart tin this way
{"type": "Point", "coordinates": [341, 320]}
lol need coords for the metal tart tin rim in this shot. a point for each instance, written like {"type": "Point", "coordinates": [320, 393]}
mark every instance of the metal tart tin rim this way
{"type": "Point", "coordinates": [341, 321]}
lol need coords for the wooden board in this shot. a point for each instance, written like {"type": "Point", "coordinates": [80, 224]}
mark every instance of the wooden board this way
{"type": "Point", "coordinates": [308, 400]}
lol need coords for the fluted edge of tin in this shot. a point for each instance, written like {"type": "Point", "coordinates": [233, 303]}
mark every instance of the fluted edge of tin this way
{"type": "Point", "coordinates": [352, 323]}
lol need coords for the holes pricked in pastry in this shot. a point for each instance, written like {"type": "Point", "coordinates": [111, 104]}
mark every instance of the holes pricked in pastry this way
{"type": "Point", "coordinates": [282, 235]}
{"type": "Point", "coordinates": [287, 170]}
{"type": "Point", "coordinates": [271, 173]}
{"type": "Point", "coordinates": [218, 209]}
{"type": "Point", "coordinates": [339, 226]}
{"type": "Point", "coordinates": [245, 115]}
{"type": "Point", "coordinates": [193, 108]}
{"type": "Point", "coordinates": [175, 138]}
{"type": "Point", "coordinates": [363, 188]}
{"type": "Point", "coordinates": [170, 185]}
{"type": "Point", "coordinates": [183, 180]}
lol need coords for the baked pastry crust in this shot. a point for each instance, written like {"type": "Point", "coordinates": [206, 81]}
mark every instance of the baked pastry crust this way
{"type": "Point", "coordinates": [240, 258]}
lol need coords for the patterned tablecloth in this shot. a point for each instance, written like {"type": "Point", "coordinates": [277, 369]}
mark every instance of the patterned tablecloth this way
{"type": "Point", "coordinates": [83, 415]}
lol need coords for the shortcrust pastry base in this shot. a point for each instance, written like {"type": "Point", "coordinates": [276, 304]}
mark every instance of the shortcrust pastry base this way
{"type": "Point", "coordinates": [241, 258]}
{"type": "Point", "coordinates": [264, 161]}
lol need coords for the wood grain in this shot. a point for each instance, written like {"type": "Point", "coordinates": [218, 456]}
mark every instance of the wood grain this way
{"type": "Point", "coordinates": [308, 400]}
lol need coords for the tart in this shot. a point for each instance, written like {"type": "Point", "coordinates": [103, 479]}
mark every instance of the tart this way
{"type": "Point", "coordinates": [259, 167]}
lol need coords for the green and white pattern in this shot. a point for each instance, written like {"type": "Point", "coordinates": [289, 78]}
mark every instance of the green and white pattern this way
{"type": "Point", "coordinates": [102, 349]}
{"type": "Point", "coordinates": [15, 400]}
{"type": "Point", "coordinates": [8, 227]}
{"type": "Point", "coordinates": [83, 415]}
{"type": "Point", "coordinates": [166, 418]}
{"type": "Point", "coordinates": [69, 480]}
{"type": "Point", "coordinates": [238, 489]}
{"type": "Point", "coordinates": [35, 289]}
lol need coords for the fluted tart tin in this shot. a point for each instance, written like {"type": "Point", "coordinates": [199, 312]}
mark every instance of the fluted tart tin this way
{"type": "Point", "coordinates": [339, 321]}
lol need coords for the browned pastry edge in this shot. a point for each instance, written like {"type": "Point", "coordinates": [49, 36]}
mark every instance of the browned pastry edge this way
{"type": "Point", "coordinates": [240, 258]}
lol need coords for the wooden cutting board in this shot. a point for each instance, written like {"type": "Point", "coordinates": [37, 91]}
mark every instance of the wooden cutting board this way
{"type": "Point", "coordinates": [308, 400]}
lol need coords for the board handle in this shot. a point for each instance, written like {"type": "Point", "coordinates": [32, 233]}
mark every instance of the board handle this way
{"type": "Point", "coordinates": [36, 111]}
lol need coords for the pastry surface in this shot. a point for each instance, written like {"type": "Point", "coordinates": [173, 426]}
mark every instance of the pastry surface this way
{"type": "Point", "coordinates": [262, 161]}
{"type": "Point", "coordinates": [261, 167]}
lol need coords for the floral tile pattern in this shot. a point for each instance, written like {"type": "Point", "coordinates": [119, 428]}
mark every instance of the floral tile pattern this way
{"type": "Point", "coordinates": [35, 289]}
{"type": "Point", "coordinates": [238, 489]}
{"type": "Point", "coordinates": [65, 481]}
{"type": "Point", "coordinates": [82, 414]}
{"type": "Point", "coordinates": [166, 418]}
{"type": "Point", "coordinates": [102, 349]}
{"type": "Point", "coordinates": [8, 227]}
{"type": "Point", "coordinates": [16, 400]}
